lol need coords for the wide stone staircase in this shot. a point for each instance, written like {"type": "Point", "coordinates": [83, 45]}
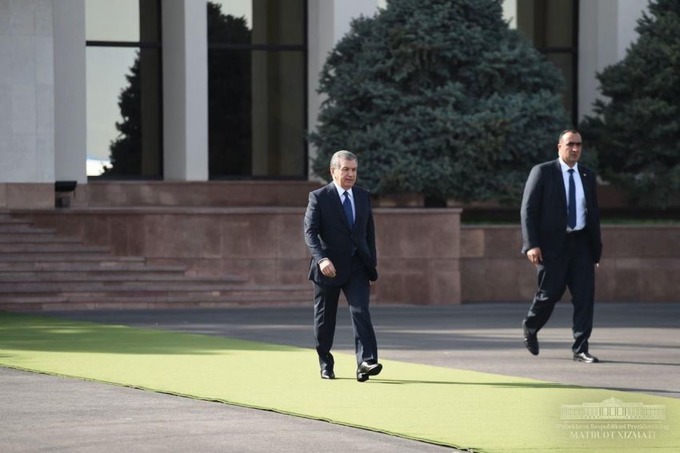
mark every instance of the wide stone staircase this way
{"type": "Point", "coordinates": [41, 270]}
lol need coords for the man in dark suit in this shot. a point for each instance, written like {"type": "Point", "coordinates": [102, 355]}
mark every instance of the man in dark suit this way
{"type": "Point", "coordinates": [561, 237]}
{"type": "Point", "coordinates": [340, 234]}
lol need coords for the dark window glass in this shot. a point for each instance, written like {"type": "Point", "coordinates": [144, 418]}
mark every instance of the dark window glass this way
{"type": "Point", "coordinates": [229, 113]}
{"type": "Point", "coordinates": [278, 113]}
{"type": "Point", "coordinates": [565, 62]}
{"type": "Point", "coordinates": [273, 22]}
{"type": "Point", "coordinates": [552, 26]}
{"type": "Point", "coordinates": [257, 89]}
{"type": "Point", "coordinates": [124, 88]}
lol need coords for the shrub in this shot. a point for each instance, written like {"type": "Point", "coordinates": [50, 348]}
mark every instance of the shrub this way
{"type": "Point", "coordinates": [439, 97]}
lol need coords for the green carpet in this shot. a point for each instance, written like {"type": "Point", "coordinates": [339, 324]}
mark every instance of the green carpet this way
{"type": "Point", "coordinates": [463, 409]}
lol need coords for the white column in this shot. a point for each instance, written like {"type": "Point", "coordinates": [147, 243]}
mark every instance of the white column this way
{"type": "Point", "coordinates": [185, 90]}
{"type": "Point", "coordinates": [70, 130]}
{"type": "Point", "coordinates": [606, 30]}
{"type": "Point", "coordinates": [26, 92]}
{"type": "Point", "coordinates": [328, 22]}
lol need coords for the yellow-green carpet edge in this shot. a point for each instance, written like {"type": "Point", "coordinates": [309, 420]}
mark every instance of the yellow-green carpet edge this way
{"type": "Point", "coordinates": [458, 408]}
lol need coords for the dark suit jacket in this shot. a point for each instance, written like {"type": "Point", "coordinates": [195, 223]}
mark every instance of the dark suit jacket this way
{"type": "Point", "coordinates": [328, 235]}
{"type": "Point", "coordinates": [544, 210]}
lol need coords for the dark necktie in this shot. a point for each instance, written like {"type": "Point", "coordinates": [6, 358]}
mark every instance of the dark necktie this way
{"type": "Point", "coordinates": [571, 208]}
{"type": "Point", "coordinates": [348, 209]}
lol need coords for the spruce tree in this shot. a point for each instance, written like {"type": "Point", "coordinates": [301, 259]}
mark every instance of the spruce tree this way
{"type": "Point", "coordinates": [439, 97]}
{"type": "Point", "coordinates": [126, 149]}
{"type": "Point", "coordinates": [636, 129]}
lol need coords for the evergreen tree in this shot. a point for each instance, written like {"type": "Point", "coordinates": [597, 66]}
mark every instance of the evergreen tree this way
{"type": "Point", "coordinates": [439, 97]}
{"type": "Point", "coordinates": [636, 132]}
{"type": "Point", "coordinates": [126, 148]}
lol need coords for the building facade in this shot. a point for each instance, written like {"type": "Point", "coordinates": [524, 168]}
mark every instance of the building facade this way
{"type": "Point", "coordinates": [193, 90]}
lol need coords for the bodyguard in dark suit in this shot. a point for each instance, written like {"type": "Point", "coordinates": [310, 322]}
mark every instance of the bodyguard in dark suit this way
{"type": "Point", "coordinates": [561, 237]}
{"type": "Point", "coordinates": [340, 234]}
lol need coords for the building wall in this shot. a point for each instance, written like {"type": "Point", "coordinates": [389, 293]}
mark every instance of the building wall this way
{"type": "Point", "coordinates": [639, 264]}
{"type": "Point", "coordinates": [42, 78]}
{"type": "Point", "coordinates": [69, 94]}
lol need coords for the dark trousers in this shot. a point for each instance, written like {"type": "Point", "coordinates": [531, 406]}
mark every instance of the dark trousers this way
{"type": "Point", "coordinates": [357, 291]}
{"type": "Point", "coordinates": [574, 270]}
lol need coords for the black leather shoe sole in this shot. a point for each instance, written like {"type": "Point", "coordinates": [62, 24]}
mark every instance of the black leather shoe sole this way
{"type": "Point", "coordinates": [365, 370]}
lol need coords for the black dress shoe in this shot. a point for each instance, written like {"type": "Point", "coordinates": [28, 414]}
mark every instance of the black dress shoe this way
{"type": "Point", "coordinates": [530, 340]}
{"type": "Point", "coordinates": [365, 369]}
{"type": "Point", "coordinates": [585, 357]}
{"type": "Point", "coordinates": [327, 374]}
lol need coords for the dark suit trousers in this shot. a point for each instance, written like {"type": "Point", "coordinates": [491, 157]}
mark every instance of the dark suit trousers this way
{"type": "Point", "coordinates": [574, 270]}
{"type": "Point", "coordinates": [357, 291]}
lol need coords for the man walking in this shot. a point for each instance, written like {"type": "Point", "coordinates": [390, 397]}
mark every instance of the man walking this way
{"type": "Point", "coordinates": [561, 237]}
{"type": "Point", "coordinates": [340, 234]}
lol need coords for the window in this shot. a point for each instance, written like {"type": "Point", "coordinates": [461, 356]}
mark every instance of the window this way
{"type": "Point", "coordinates": [552, 26]}
{"type": "Point", "coordinates": [124, 87]}
{"type": "Point", "coordinates": [257, 84]}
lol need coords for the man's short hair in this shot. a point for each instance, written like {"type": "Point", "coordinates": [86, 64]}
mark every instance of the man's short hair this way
{"type": "Point", "coordinates": [342, 155]}
{"type": "Point", "coordinates": [566, 131]}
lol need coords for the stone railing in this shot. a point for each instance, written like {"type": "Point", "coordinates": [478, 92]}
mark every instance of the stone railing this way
{"type": "Point", "coordinates": [639, 263]}
{"type": "Point", "coordinates": [417, 248]}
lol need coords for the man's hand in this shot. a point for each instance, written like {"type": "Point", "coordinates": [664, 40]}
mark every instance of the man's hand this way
{"type": "Point", "coordinates": [327, 268]}
{"type": "Point", "coordinates": [535, 256]}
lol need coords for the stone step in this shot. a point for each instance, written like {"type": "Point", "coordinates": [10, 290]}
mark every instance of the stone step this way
{"type": "Point", "coordinates": [185, 286]}
{"type": "Point", "coordinates": [94, 267]}
{"type": "Point", "coordinates": [41, 270]}
{"type": "Point", "coordinates": [44, 257]}
{"type": "Point", "coordinates": [137, 286]}
{"type": "Point", "coordinates": [113, 289]}
{"type": "Point", "coordinates": [51, 247]}
{"type": "Point", "coordinates": [23, 228]}
{"type": "Point", "coordinates": [90, 302]}
{"type": "Point", "coordinates": [134, 297]}
{"type": "Point", "coordinates": [107, 275]}
{"type": "Point", "coordinates": [33, 237]}
{"type": "Point", "coordinates": [6, 219]}
{"type": "Point", "coordinates": [10, 224]}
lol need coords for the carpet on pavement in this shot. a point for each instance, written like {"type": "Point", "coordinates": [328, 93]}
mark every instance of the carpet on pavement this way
{"type": "Point", "coordinates": [458, 408]}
